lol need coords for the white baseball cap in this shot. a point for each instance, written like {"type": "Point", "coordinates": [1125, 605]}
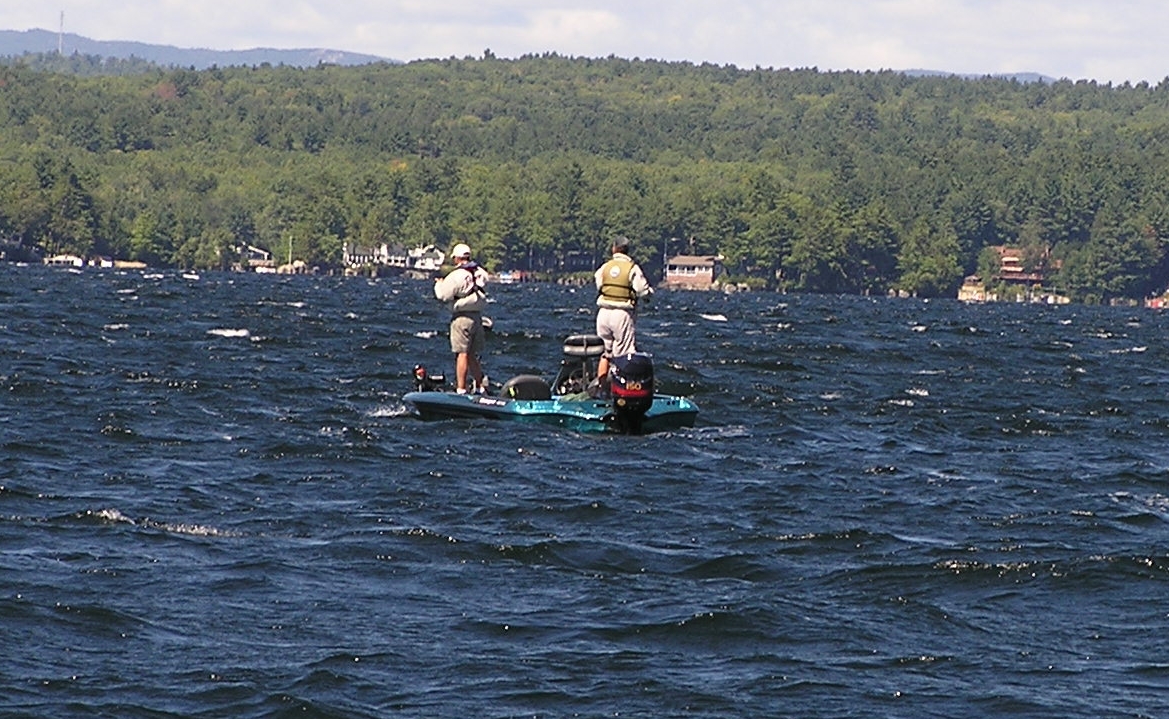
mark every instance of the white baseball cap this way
{"type": "Point", "coordinates": [461, 250]}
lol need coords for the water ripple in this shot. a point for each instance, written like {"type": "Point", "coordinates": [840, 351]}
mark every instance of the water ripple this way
{"type": "Point", "coordinates": [213, 502]}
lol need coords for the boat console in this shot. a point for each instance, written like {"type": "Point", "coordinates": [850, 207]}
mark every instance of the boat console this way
{"type": "Point", "coordinates": [578, 366]}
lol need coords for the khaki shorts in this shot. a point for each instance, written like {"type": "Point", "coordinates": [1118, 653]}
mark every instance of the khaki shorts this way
{"type": "Point", "coordinates": [467, 334]}
{"type": "Point", "coordinates": [615, 328]}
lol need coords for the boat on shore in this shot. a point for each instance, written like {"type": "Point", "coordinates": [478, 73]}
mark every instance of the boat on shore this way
{"type": "Point", "coordinates": [575, 399]}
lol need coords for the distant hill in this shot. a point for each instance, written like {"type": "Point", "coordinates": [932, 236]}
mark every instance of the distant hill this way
{"type": "Point", "coordinates": [1023, 77]}
{"type": "Point", "coordinates": [14, 43]}
{"type": "Point", "coordinates": [20, 42]}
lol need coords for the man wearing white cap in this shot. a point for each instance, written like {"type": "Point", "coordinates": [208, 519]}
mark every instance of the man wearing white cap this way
{"type": "Point", "coordinates": [463, 290]}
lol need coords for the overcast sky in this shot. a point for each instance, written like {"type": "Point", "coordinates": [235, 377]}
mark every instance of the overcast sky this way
{"type": "Point", "coordinates": [1104, 40]}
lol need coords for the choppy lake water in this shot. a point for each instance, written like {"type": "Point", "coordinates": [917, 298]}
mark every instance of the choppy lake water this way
{"type": "Point", "coordinates": [213, 503]}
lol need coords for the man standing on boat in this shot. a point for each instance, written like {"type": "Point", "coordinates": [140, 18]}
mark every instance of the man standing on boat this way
{"type": "Point", "coordinates": [463, 290]}
{"type": "Point", "coordinates": [620, 284]}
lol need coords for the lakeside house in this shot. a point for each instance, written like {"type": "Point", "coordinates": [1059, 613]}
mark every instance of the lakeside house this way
{"type": "Point", "coordinates": [974, 290]}
{"type": "Point", "coordinates": [1020, 280]}
{"type": "Point", "coordinates": [95, 261]}
{"type": "Point", "coordinates": [511, 277]}
{"type": "Point", "coordinates": [693, 272]}
{"type": "Point", "coordinates": [65, 261]}
{"type": "Point", "coordinates": [256, 259]}
{"type": "Point", "coordinates": [423, 261]}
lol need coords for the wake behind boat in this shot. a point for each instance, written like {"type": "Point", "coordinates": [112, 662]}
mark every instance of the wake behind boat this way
{"type": "Point", "coordinates": [574, 399]}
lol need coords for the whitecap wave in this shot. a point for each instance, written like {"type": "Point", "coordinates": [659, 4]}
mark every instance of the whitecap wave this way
{"type": "Point", "coordinates": [111, 515]}
{"type": "Point", "coordinates": [223, 332]}
{"type": "Point", "coordinates": [197, 530]}
{"type": "Point", "coordinates": [728, 431]}
{"type": "Point", "coordinates": [194, 530]}
{"type": "Point", "coordinates": [399, 410]}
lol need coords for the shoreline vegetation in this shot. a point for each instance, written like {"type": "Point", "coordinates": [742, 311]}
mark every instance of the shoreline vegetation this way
{"type": "Point", "coordinates": [798, 180]}
{"type": "Point", "coordinates": [576, 279]}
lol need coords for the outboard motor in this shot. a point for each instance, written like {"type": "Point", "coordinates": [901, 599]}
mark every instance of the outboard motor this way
{"type": "Point", "coordinates": [631, 382]}
{"type": "Point", "coordinates": [424, 381]}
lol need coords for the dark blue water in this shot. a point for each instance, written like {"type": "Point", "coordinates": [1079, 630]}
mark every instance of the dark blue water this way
{"type": "Point", "coordinates": [214, 504]}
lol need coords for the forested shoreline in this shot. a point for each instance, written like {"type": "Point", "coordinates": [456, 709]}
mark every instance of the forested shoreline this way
{"type": "Point", "coordinates": [807, 180]}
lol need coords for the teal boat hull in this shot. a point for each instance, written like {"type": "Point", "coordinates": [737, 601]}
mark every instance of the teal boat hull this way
{"type": "Point", "coordinates": [581, 415]}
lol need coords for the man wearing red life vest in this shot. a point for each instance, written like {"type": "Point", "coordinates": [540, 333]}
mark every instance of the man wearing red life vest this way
{"type": "Point", "coordinates": [620, 285]}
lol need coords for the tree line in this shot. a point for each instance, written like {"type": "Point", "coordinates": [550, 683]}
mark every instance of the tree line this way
{"type": "Point", "coordinates": [855, 182]}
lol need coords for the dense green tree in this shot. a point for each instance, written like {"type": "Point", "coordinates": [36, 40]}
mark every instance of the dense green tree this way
{"type": "Point", "coordinates": [773, 233]}
{"type": "Point", "coordinates": [818, 261]}
{"type": "Point", "coordinates": [71, 225]}
{"type": "Point", "coordinates": [1115, 263]}
{"type": "Point", "coordinates": [929, 261]}
{"type": "Point", "coordinates": [802, 177]}
{"type": "Point", "coordinates": [872, 243]}
{"type": "Point", "coordinates": [146, 242]}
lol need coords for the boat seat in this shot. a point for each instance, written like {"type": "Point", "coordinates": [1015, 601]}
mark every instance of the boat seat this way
{"type": "Point", "coordinates": [526, 386]}
{"type": "Point", "coordinates": [583, 346]}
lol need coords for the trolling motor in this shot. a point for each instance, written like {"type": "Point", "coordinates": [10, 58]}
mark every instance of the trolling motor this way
{"type": "Point", "coordinates": [424, 381]}
{"type": "Point", "coordinates": [631, 383]}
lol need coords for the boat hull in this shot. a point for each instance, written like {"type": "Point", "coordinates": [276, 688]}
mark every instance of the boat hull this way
{"type": "Point", "coordinates": [582, 415]}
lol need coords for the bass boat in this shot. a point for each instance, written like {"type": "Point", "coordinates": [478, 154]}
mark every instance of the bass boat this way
{"type": "Point", "coordinates": [575, 399]}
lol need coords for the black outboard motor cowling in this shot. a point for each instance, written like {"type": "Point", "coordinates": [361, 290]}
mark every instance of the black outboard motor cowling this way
{"type": "Point", "coordinates": [631, 382]}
